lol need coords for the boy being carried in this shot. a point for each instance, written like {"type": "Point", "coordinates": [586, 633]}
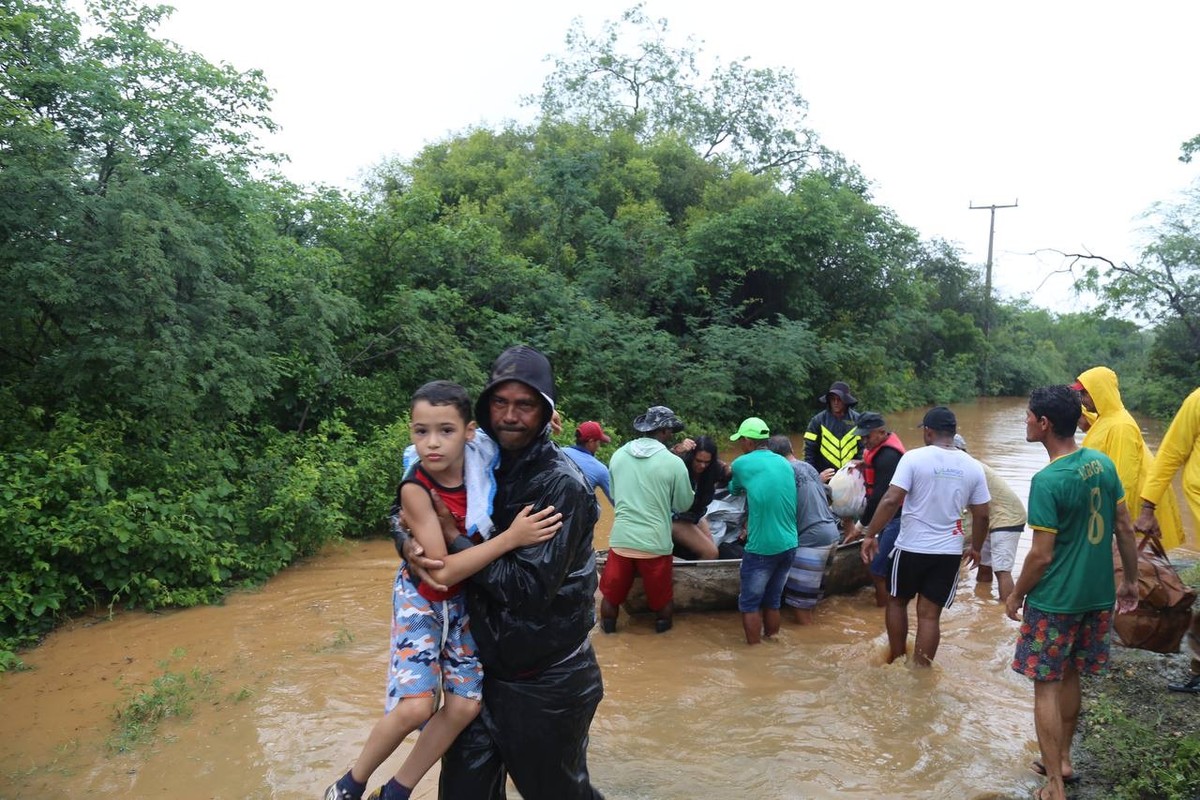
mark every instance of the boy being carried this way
{"type": "Point", "coordinates": [431, 637]}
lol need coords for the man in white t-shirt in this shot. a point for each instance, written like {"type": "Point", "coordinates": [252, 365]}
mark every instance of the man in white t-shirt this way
{"type": "Point", "coordinates": [934, 483]}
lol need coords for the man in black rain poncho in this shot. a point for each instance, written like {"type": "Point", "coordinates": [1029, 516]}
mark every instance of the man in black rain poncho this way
{"type": "Point", "coordinates": [530, 610]}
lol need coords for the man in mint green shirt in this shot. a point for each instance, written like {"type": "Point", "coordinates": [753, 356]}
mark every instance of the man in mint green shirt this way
{"type": "Point", "coordinates": [1066, 586]}
{"type": "Point", "coordinates": [649, 483]}
{"type": "Point", "coordinates": [767, 480]}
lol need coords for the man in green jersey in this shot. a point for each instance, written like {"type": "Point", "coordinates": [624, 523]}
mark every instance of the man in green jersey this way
{"type": "Point", "coordinates": [1066, 586]}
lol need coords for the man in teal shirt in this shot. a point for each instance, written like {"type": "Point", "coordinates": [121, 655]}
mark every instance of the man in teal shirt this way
{"type": "Point", "coordinates": [767, 480]}
{"type": "Point", "coordinates": [1076, 502]}
{"type": "Point", "coordinates": [649, 483]}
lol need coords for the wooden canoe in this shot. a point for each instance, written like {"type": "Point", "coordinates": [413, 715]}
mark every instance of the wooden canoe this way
{"type": "Point", "coordinates": [713, 585]}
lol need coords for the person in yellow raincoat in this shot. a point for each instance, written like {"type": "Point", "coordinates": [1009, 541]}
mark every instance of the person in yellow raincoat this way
{"type": "Point", "coordinates": [1180, 448]}
{"type": "Point", "coordinates": [1116, 434]}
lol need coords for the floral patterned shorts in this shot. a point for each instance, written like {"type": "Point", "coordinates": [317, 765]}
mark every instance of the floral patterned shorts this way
{"type": "Point", "coordinates": [1048, 642]}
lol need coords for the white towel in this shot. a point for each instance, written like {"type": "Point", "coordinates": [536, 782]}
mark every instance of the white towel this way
{"type": "Point", "coordinates": [482, 456]}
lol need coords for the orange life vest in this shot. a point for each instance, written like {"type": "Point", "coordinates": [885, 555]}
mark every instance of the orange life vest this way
{"type": "Point", "coordinates": [892, 441]}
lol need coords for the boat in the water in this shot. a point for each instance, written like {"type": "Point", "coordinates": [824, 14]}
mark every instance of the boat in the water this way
{"type": "Point", "coordinates": [713, 585]}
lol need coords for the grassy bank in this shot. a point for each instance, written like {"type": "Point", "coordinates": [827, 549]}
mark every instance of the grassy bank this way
{"type": "Point", "coordinates": [1136, 739]}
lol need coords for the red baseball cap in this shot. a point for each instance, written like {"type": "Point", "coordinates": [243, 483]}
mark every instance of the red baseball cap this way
{"type": "Point", "coordinates": [1077, 386]}
{"type": "Point", "coordinates": [591, 431]}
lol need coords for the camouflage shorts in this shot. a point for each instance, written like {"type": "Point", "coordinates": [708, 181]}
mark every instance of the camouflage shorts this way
{"type": "Point", "coordinates": [419, 658]}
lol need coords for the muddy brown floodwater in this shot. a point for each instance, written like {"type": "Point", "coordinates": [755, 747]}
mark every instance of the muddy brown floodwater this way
{"type": "Point", "coordinates": [295, 671]}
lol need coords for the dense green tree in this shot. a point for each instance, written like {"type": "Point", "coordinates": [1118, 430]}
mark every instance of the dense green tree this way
{"type": "Point", "coordinates": [205, 369]}
{"type": "Point", "coordinates": [125, 265]}
{"type": "Point", "coordinates": [632, 77]}
{"type": "Point", "coordinates": [761, 365]}
{"type": "Point", "coordinates": [821, 254]}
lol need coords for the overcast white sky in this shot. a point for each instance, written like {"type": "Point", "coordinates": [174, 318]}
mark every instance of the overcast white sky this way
{"type": "Point", "coordinates": [1074, 109]}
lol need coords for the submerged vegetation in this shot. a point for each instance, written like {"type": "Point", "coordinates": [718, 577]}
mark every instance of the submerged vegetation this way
{"type": "Point", "coordinates": [204, 368]}
{"type": "Point", "coordinates": [170, 694]}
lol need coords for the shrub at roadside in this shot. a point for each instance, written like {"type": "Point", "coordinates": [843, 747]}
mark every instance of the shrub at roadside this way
{"type": "Point", "coordinates": [1138, 740]}
{"type": "Point", "coordinates": [86, 524]}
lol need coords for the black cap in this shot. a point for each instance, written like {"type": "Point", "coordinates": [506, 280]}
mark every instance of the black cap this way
{"type": "Point", "coordinates": [867, 422]}
{"type": "Point", "coordinates": [940, 418]}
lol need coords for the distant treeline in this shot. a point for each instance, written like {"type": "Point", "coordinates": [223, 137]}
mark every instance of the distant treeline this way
{"type": "Point", "coordinates": [204, 372]}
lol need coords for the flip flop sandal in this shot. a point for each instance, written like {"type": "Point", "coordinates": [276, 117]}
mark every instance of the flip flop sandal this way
{"type": "Point", "coordinates": [1040, 769]}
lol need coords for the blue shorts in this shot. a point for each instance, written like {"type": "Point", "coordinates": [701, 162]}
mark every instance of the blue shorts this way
{"type": "Point", "coordinates": [880, 564]}
{"type": "Point", "coordinates": [763, 579]}
{"type": "Point", "coordinates": [420, 658]}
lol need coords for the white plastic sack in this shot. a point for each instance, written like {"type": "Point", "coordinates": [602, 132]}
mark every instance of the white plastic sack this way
{"type": "Point", "coordinates": [848, 493]}
{"type": "Point", "coordinates": [726, 514]}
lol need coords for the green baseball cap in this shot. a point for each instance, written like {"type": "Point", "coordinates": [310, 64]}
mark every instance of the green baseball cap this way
{"type": "Point", "coordinates": [751, 428]}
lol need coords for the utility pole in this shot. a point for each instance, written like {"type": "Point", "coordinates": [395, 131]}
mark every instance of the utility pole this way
{"type": "Point", "coordinates": [987, 281]}
{"type": "Point", "coordinates": [987, 289]}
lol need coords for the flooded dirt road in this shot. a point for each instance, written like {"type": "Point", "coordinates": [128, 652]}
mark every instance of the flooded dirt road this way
{"type": "Point", "coordinates": [288, 680]}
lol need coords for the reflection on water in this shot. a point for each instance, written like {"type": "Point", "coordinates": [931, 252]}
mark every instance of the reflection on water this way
{"type": "Point", "coordinates": [299, 668]}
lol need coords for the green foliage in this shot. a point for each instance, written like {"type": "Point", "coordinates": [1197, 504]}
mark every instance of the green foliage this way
{"type": "Point", "coordinates": [314, 490]}
{"type": "Point", "coordinates": [122, 265]}
{"type": "Point", "coordinates": [632, 77]}
{"type": "Point", "coordinates": [1163, 288]}
{"type": "Point", "coordinates": [205, 375]}
{"type": "Point", "coordinates": [87, 521]}
{"type": "Point", "coordinates": [342, 638]}
{"type": "Point", "coordinates": [608, 363]}
{"type": "Point", "coordinates": [762, 365]}
{"type": "Point", "coordinates": [1140, 760]}
{"type": "Point", "coordinates": [171, 694]}
{"type": "Point", "coordinates": [1189, 149]}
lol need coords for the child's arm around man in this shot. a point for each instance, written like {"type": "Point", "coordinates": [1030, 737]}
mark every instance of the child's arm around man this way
{"type": "Point", "coordinates": [431, 638]}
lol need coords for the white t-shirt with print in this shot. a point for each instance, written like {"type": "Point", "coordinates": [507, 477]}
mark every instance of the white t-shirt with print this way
{"type": "Point", "coordinates": [940, 482]}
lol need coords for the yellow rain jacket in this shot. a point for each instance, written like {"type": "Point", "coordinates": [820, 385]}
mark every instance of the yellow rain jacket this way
{"type": "Point", "coordinates": [1116, 434]}
{"type": "Point", "coordinates": [1180, 448]}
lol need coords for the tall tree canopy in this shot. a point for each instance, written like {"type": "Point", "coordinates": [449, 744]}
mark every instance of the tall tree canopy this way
{"type": "Point", "coordinates": [136, 256]}
{"type": "Point", "coordinates": [632, 77]}
{"type": "Point", "coordinates": [205, 369]}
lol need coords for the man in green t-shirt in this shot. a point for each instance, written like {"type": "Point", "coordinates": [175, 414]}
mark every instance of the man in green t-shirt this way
{"type": "Point", "coordinates": [1066, 586]}
{"type": "Point", "coordinates": [649, 482]}
{"type": "Point", "coordinates": [767, 480]}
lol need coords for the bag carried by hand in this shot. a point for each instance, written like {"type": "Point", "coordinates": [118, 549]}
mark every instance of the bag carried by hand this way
{"type": "Point", "coordinates": [848, 493]}
{"type": "Point", "coordinates": [1164, 608]}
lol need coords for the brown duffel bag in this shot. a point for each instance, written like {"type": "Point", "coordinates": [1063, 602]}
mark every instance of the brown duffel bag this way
{"type": "Point", "coordinates": [1164, 609]}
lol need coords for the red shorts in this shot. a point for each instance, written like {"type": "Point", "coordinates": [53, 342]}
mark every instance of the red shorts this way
{"type": "Point", "coordinates": [618, 575]}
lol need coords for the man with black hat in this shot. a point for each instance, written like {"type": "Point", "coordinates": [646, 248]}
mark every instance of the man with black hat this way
{"type": "Point", "coordinates": [531, 610]}
{"type": "Point", "coordinates": [650, 483]}
{"type": "Point", "coordinates": [935, 483]}
{"type": "Point", "coordinates": [881, 453]}
{"type": "Point", "coordinates": [830, 441]}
